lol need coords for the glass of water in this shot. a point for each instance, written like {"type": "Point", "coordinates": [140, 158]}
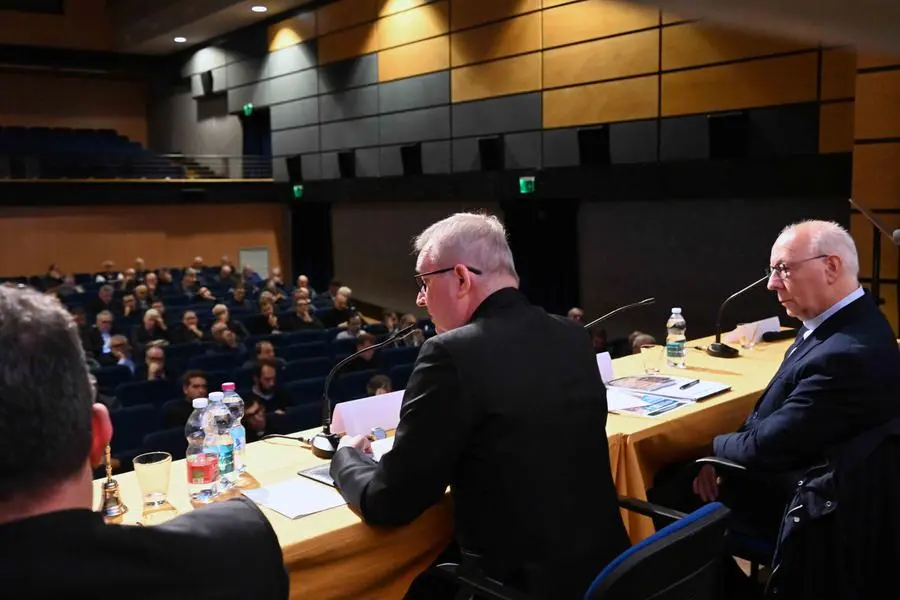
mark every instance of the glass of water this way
{"type": "Point", "coordinates": [152, 470]}
{"type": "Point", "coordinates": [747, 332]}
{"type": "Point", "coordinates": [652, 357]}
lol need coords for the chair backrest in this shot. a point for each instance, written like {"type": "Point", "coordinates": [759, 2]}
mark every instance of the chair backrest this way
{"type": "Point", "coordinates": [679, 562]}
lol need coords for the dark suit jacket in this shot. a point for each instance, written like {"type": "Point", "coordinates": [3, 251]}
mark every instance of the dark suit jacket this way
{"type": "Point", "coordinates": [510, 412]}
{"type": "Point", "coordinates": [844, 379]}
{"type": "Point", "coordinates": [73, 554]}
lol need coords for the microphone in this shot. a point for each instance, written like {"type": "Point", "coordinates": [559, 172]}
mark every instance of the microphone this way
{"type": "Point", "coordinates": [717, 348]}
{"type": "Point", "coordinates": [598, 320]}
{"type": "Point", "coordinates": [325, 444]}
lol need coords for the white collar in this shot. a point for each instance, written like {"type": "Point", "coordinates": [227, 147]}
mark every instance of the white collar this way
{"type": "Point", "coordinates": [816, 321]}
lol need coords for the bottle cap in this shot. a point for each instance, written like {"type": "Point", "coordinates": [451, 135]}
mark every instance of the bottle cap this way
{"type": "Point", "coordinates": [200, 402]}
{"type": "Point", "coordinates": [676, 311]}
{"type": "Point", "coordinates": [228, 387]}
{"type": "Point", "coordinates": [216, 397]}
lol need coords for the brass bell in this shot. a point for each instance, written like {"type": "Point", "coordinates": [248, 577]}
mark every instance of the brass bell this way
{"type": "Point", "coordinates": [111, 506]}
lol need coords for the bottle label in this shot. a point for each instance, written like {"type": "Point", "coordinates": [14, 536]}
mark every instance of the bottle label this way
{"type": "Point", "coordinates": [226, 459]}
{"type": "Point", "coordinates": [202, 469]}
{"type": "Point", "coordinates": [675, 349]}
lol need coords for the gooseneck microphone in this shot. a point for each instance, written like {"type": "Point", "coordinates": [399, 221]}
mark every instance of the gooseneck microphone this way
{"type": "Point", "coordinates": [717, 348]}
{"type": "Point", "coordinates": [598, 320]}
{"type": "Point", "coordinates": [325, 444]}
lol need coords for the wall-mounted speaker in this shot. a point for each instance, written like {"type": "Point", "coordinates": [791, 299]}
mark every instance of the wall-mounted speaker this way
{"type": "Point", "coordinates": [593, 146]}
{"type": "Point", "coordinates": [728, 135]}
{"type": "Point", "coordinates": [491, 151]}
{"type": "Point", "coordinates": [411, 157]}
{"type": "Point", "coordinates": [347, 164]}
{"type": "Point", "coordinates": [206, 82]}
{"type": "Point", "coordinates": [294, 168]}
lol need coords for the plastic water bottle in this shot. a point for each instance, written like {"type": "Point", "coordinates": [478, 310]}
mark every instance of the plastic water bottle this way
{"type": "Point", "coordinates": [235, 405]}
{"type": "Point", "coordinates": [676, 337]}
{"type": "Point", "coordinates": [220, 423]}
{"type": "Point", "coordinates": [201, 456]}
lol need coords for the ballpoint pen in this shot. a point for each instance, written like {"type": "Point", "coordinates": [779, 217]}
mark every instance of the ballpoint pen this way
{"type": "Point", "coordinates": [689, 384]}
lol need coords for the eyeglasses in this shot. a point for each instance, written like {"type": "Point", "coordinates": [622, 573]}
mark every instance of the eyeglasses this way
{"type": "Point", "coordinates": [422, 285]}
{"type": "Point", "coordinates": [783, 269]}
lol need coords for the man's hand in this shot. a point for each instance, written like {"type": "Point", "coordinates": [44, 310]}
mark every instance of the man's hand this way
{"type": "Point", "coordinates": [360, 442]}
{"type": "Point", "coordinates": [706, 484]}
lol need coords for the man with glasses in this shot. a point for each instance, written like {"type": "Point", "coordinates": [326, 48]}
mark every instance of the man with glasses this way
{"type": "Point", "coordinates": [839, 379]}
{"type": "Point", "coordinates": [506, 407]}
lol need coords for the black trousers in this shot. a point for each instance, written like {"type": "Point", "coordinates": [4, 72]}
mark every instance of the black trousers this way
{"type": "Point", "coordinates": [757, 505]}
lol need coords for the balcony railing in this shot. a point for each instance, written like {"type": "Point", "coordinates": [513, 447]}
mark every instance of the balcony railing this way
{"type": "Point", "coordinates": [141, 165]}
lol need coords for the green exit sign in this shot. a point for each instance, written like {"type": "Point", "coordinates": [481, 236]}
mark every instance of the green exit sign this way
{"type": "Point", "coordinates": [248, 109]}
{"type": "Point", "coordinates": [298, 191]}
{"type": "Point", "coordinates": [526, 185]}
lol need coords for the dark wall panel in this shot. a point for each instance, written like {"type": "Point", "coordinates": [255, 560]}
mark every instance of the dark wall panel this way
{"type": "Point", "coordinates": [560, 148]}
{"type": "Point", "coordinates": [295, 114]}
{"type": "Point", "coordinates": [416, 126]}
{"type": "Point", "coordinates": [279, 169]}
{"type": "Point", "coordinates": [633, 142]}
{"type": "Point", "coordinates": [684, 138]}
{"type": "Point", "coordinates": [295, 141]}
{"type": "Point", "coordinates": [289, 60]}
{"type": "Point", "coordinates": [784, 130]}
{"type": "Point", "coordinates": [415, 92]}
{"type": "Point", "coordinates": [355, 72]}
{"type": "Point", "coordinates": [368, 162]}
{"type": "Point", "coordinates": [436, 157]}
{"type": "Point", "coordinates": [465, 155]}
{"type": "Point", "coordinates": [497, 115]}
{"type": "Point", "coordinates": [329, 169]}
{"type": "Point", "coordinates": [292, 87]}
{"type": "Point", "coordinates": [350, 134]}
{"type": "Point", "coordinates": [351, 104]}
{"type": "Point", "coordinates": [312, 166]}
{"type": "Point", "coordinates": [391, 164]}
{"type": "Point", "coordinates": [523, 150]}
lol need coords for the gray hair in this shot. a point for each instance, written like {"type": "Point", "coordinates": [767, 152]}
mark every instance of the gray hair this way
{"type": "Point", "coordinates": [45, 395]}
{"type": "Point", "coordinates": [828, 237]}
{"type": "Point", "coordinates": [477, 240]}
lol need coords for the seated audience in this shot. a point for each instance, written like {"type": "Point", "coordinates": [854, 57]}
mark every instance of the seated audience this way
{"type": "Point", "coordinates": [354, 327]}
{"type": "Point", "coordinates": [193, 385]}
{"type": "Point", "coordinates": [188, 331]}
{"type": "Point", "coordinates": [104, 301]}
{"type": "Point", "coordinates": [225, 342]}
{"type": "Point", "coordinates": [340, 312]}
{"type": "Point", "coordinates": [302, 317]}
{"type": "Point", "coordinates": [120, 354]}
{"type": "Point", "coordinates": [367, 360]}
{"type": "Point", "coordinates": [47, 517]}
{"type": "Point", "coordinates": [265, 323]}
{"type": "Point", "coordinates": [638, 339]}
{"type": "Point", "coordinates": [379, 384]}
{"type": "Point", "coordinates": [98, 338]}
{"type": "Point", "coordinates": [576, 314]}
{"type": "Point", "coordinates": [221, 315]}
{"type": "Point", "coordinates": [265, 387]}
{"type": "Point", "coordinates": [265, 351]}
{"type": "Point", "coordinates": [152, 328]}
{"type": "Point", "coordinates": [254, 419]}
{"type": "Point", "coordinates": [154, 367]}
{"type": "Point", "coordinates": [417, 337]}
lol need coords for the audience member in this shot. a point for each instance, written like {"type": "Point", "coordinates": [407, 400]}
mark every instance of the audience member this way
{"type": "Point", "coordinates": [57, 545]}
{"type": "Point", "coordinates": [188, 331]}
{"type": "Point", "coordinates": [176, 412]}
{"type": "Point", "coordinates": [302, 318]}
{"type": "Point", "coordinates": [354, 328]}
{"type": "Point", "coordinates": [254, 419]}
{"type": "Point", "coordinates": [265, 386]}
{"type": "Point", "coordinates": [225, 342]}
{"type": "Point", "coordinates": [638, 339]}
{"type": "Point", "coordinates": [265, 351]}
{"type": "Point", "coordinates": [153, 328]}
{"type": "Point", "coordinates": [379, 384]}
{"type": "Point", "coordinates": [119, 354]}
{"type": "Point", "coordinates": [576, 314]}
{"type": "Point", "coordinates": [98, 338]}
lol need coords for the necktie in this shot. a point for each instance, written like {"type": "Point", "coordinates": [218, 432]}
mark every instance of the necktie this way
{"type": "Point", "coordinates": [797, 341]}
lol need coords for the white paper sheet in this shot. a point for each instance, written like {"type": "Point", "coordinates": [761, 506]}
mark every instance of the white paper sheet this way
{"type": "Point", "coordinates": [761, 327]}
{"type": "Point", "coordinates": [617, 399]}
{"type": "Point", "coordinates": [382, 447]}
{"type": "Point", "coordinates": [605, 364]}
{"type": "Point", "coordinates": [296, 497]}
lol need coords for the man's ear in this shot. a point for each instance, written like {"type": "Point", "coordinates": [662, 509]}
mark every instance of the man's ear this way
{"type": "Point", "coordinates": [101, 433]}
{"type": "Point", "coordinates": [465, 280]}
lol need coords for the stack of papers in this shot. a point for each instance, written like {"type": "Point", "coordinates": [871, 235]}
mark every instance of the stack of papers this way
{"type": "Point", "coordinates": [655, 395]}
{"type": "Point", "coordinates": [296, 497]}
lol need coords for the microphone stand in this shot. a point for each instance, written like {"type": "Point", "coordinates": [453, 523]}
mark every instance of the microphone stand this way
{"type": "Point", "coordinates": [894, 235]}
{"type": "Point", "coordinates": [717, 348]}
{"type": "Point", "coordinates": [325, 444]}
{"type": "Point", "coordinates": [598, 320]}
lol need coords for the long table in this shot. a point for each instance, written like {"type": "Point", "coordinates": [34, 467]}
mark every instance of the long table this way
{"type": "Point", "coordinates": [333, 554]}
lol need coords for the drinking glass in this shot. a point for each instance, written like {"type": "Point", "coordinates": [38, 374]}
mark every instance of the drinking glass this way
{"type": "Point", "coordinates": [747, 332]}
{"type": "Point", "coordinates": [152, 470]}
{"type": "Point", "coordinates": [652, 356]}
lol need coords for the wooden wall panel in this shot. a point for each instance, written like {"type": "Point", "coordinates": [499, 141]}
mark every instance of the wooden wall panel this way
{"type": "Point", "coordinates": [430, 20]}
{"type": "Point", "coordinates": [344, 14]}
{"type": "Point", "coordinates": [504, 38]}
{"type": "Point", "coordinates": [348, 43]}
{"type": "Point", "coordinates": [876, 178]}
{"type": "Point", "coordinates": [51, 100]}
{"type": "Point", "coordinates": [86, 25]}
{"type": "Point", "coordinates": [498, 78]}
{"type": "Point", "coordinates": [594, 19]}
{"type": "Point", "coordinates": [389, 7]}
{"type": "Point", "coordinates": [838, 74]}
{"type": "Point", "coordinates": [467, 13]}
{"type": "Point", "coordinates": [80, 238]}
{"type": "Point", "coordinates": [695, 44]}
{"type": "Point", "coordinates": [293, 31]}
{"type": "Point", "coordinates": [861, 230]}
{"type": "Point", "coordinates": [766, 82]}
{"type": "Point", "coordinates": [668, 18]}
{"type": "Point", "coordinates": [878, 105]}
{"type": "Point", "coordinates": [414, 59]}
{"type": "Point", "coordinates": [623, 100]}
{"type": "Point", "coordinates": [552, 3]}
{"type": "Point", "coordinates": [836, 127]}
{"type": "Point", "coordinates": [867, 60]}
{"type": "Point", "coordinates": [611, 58]}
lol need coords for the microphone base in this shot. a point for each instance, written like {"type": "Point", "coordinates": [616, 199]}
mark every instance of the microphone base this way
{"type": "Point", "coordinates": [720, 350]}
{"type": "Point", "coordinates": [324, 445]}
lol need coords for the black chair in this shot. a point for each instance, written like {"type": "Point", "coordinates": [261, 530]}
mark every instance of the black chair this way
{"type": "Point", "coordinates": [682, 561]}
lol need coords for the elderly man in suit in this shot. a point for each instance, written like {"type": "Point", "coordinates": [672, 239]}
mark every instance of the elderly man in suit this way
{"type": "Point", "coordinates": [500, 380]}
{"type": "Point", "coordinates": [838, 380]}
{"type": "Point", "coordinates": [53, 434]}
